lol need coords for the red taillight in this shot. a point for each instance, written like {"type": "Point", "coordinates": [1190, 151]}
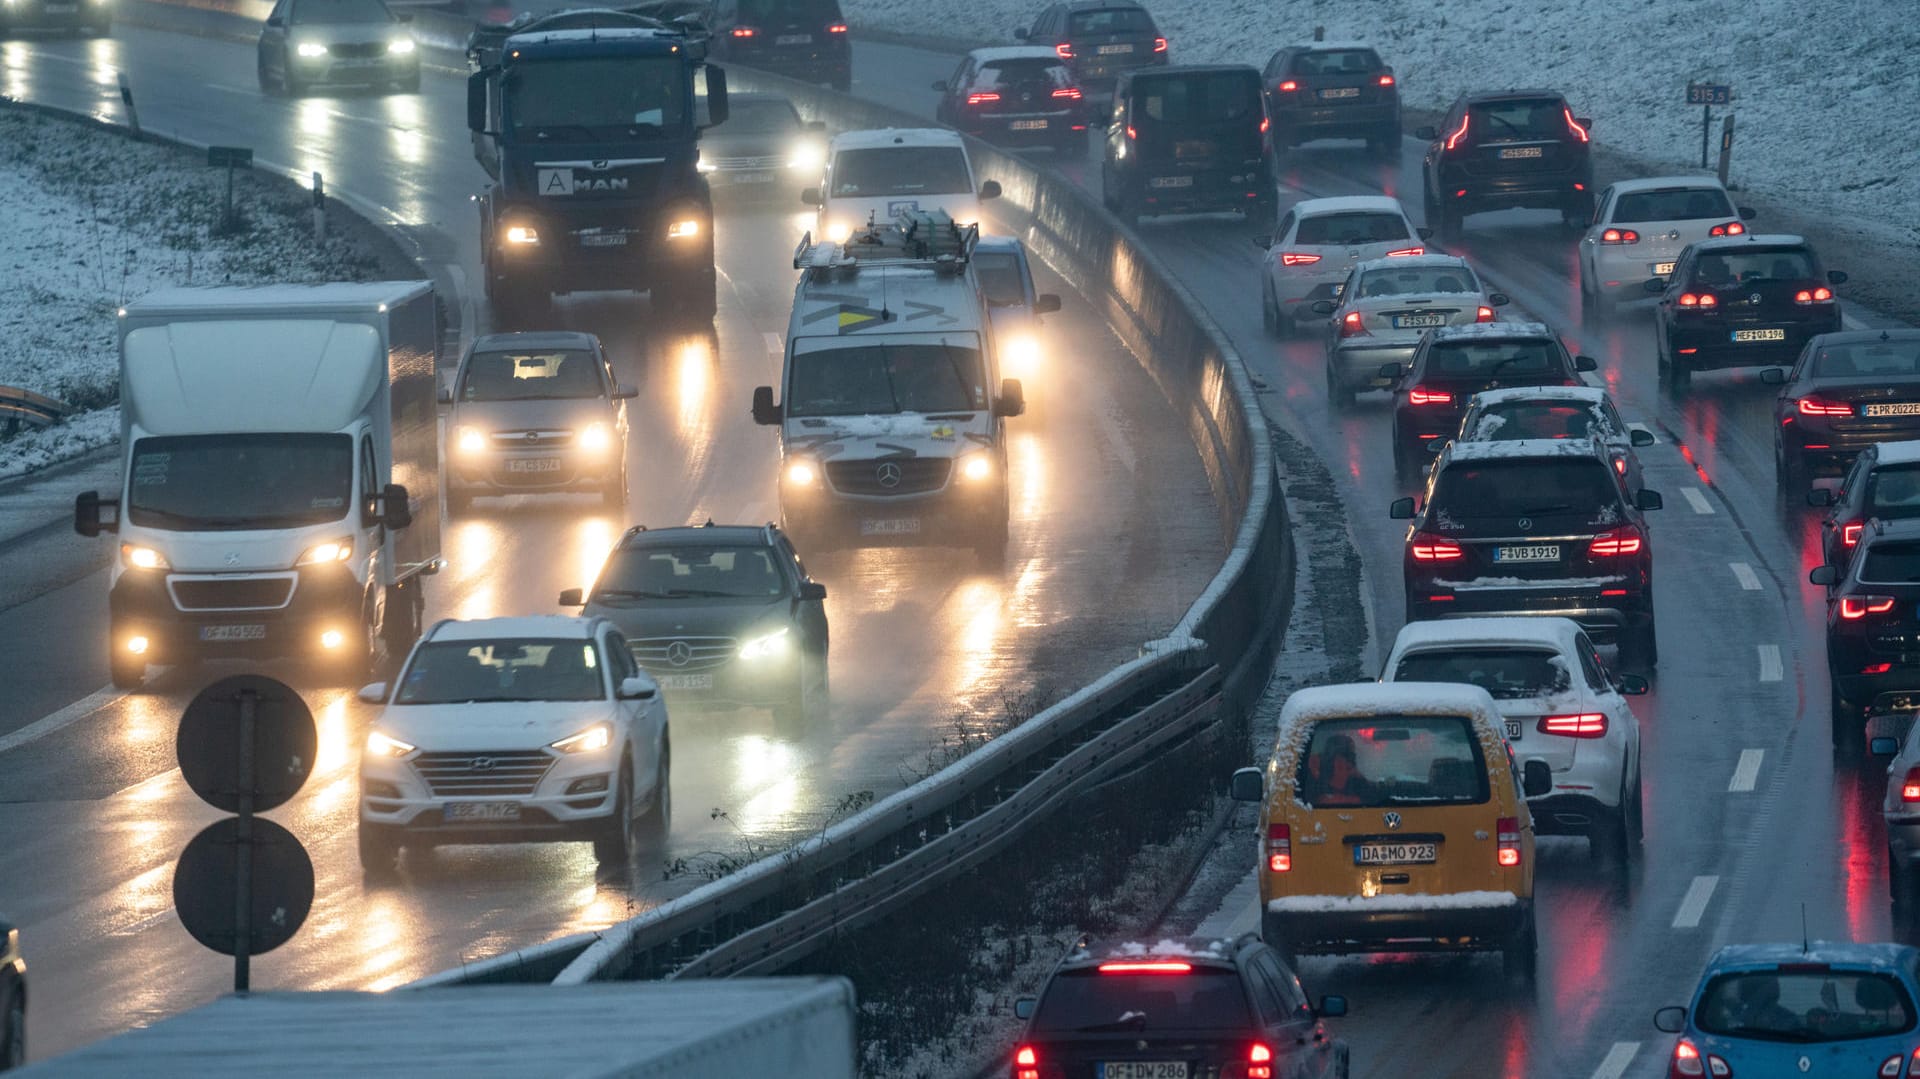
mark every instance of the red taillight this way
{"type": "Point", "coordinates": [1850, 533]}
{"type": "Point", "coordinates": [981, 99]}
{"type": "Point", "coordinates": [1265, 124]}
{"type": "Point", "coordinates": [1146, 966]}
{"type": "Point", "coordinates": [1353, 326]}
{"type": "Point", "coordinates": [1508, 832]}
{"type": "Point", "coordinates": [1485, 314]}
{"type": "Point", "coordinates": [1297, 258]}
{"type": "Point", "coordinates": [1279, 848]}
{"type": "Point", "coordinates": [1822, 294]}
{"type": "Point", "coordinates": [1288, 87]}
{"type": "Point", "coordinates": [1131, 134]}
{"type": "Point", "coordinates": [1699, 299]}
{"type": "Point", "coordinates": [1259, 1062]}
{"type": "Point", "coordinates": [1420, 395]}
{"type": "Point", "coordinates": [1891, 1068]}
{"type": "Point", "coordinates": [837, 28]}
{"type": "Point", "coordinates": [1406, 251]}
{"type": "Point", "coordinates": [1026, 1063]}
{"type": "Point", "coordinates": [1428, 547]}
{"type": "Point", "coordinates": [1854, 608]}
{"type": "Point", "coordinates": [1731, 228]}
{"type": "Point", "coordinates": [1620, 465]}
{"type": "Point", "coordinates": [1813, 406]}
{"type": "Point", "coordinates": [744, 31]}
{"type": "Point", "coordinates": [1159, 44]}
{"type": "Point", "coordinates": [1876, 668]}
{"type": "Point", "coordinates": [1385, 80]}
{"type": "Point", "coordinates": [1619, 236]}
{"type": "Point", "coordinates": [1573, 127]}
{"type": "Point", "coordinates": [1618, 542]}
{"type": "Point", "coordinates": [1582, 725]}
{"type": "Point", "coordinates": [1072, 93]}
{"type": "Point", "coordinates": [1453, 140]}
{"type": "Point", "coordinates": [1064, 50]}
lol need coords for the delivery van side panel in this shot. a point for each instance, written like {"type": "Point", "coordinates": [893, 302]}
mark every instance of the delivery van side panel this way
{"type": "Point", "coordinates": [412, 415]}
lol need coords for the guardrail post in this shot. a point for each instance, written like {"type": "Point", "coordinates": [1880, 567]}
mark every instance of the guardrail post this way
{"type": "Point", "coordinates": [126, 98]}
{"type": "Point", "coordinates": [319, 209]}
{"type": "Point", "coordinates": [1726, 147]}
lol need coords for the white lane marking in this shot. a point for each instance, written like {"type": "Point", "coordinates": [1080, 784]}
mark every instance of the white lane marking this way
{"type": "Point", "coordinates": [46, 725]}
{"type": "Point", "coordinates": [1769, 662]}
{"type": "Point", "coordinates": [1614, 1064]}
{"type": "Point", "coordinates": [1749, 580]}
{"type": "Point", "coordinates": [774, 344]}
{"type": "Point", "coordinates": [1747, 772]}
{"type": "Point", "coordinates": [1697, 500]}
{"type": "Point", "coordinates": [1694, 903]}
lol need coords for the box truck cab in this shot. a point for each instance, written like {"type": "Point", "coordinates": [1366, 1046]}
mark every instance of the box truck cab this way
{"type": "Point", "coordinates": [280, 489]}
{"type": "Point", "coordinates": [893, 420]}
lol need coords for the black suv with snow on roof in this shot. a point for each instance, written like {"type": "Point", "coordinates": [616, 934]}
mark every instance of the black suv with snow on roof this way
{"type": "Point", "coordinates": [1500, 151]}
{"type": "Point", "coordinates": [1533, 527]}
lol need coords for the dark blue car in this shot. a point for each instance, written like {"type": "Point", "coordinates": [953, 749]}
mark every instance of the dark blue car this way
{"type": "Point", "coordinates": [1791, 1010]}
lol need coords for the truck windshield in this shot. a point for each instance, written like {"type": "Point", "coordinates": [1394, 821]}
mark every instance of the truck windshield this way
{"type": "Point", "coordinates": [239, 481]}
{"type": "Point", "coordinates": [880, 378]}
{"type": "Point", "coordinates": [518, 669]}
{"type": "Point", "coordinates": [873, 171]}
{"type": "Point", "coordinates": [597, 97]}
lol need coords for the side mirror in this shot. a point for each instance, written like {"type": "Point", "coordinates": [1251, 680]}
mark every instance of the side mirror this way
{"type": "Point", "coordinates": [716, 95]}
{"type": "Point", "coordinates": [1426, 132]}
{"type": "Point", "coordinates": [1648, 500]}
{"type": "Point", "coordinates": [573, 597]}
{"type": "Point", "coordinates": [1826, 575]}
{"type": "Point", "coordinates": [1670, 1020]}
{"type": "Point", "coordinates": [1046, 303]}
{"type": "Point", "coordinates": [1536, 778]}
{"type": "Point", "coordinates": [445, 396]}
{"type": "Point", "coordinates": [810, 196]}
{"type": "Point", "coordinates": [1322, 307]}
{"type": "Point", "coordinates": [1499, 299]}
{"type": "Point", "coordinates": [812, 590]}
{"type": "Point", "coordinates": [1820, 496]}
{"type": "Point", "coordinates": [1883, 746]}
{"type": "Point", "coordinates": [1640, 436]}
{"type": "Point", "coordinates": [477, 102]}
{"type": "Point", "coordinates": [373, 693]}
{"type": "Point", "coordinates": [1837, 277]}
{"type": "Point", "coordinates": [1263, 241]}
{"type": "Point", "coordinates": [990, 190]}
{"type": "Point", "coordinates": [1390, 371]}
{"type": "Point", "coordinates": [625, 393]}
{"type": "Point", "coordinates": [1655, 285]}
{"type": "Point", "coordinates": [1631, 685]}
{"type": "Point", "coordinates": [395, 512]}
{"type": "Point", "coordinates": [1248, 785]}
{"type": "Point", "coordinates": [1585, 363]}
{"type": "Point", "coordinates": [276, 21]}
{"type": "Point", "coordinates": [1774, 376]}
{"type": "Point", "coordinates": [765, 412]}
{"type": "Point", "coordinates": [1331, 1007]}
{"type": "Point", "coordinates": [1424, 232]}
{"type": "Point", "coordinates": [638, 689]}
{"type": "Point", "coordinates": [1435, 445]}
{"type": "Point", "coordinates": [940, 87]}
{"type": "Point", "coordinates": [1024, 1007]}
{"type": "Point", "coordinates": [1012, 400]}
{"type": "Point", "coordinates": [1747, 213]}
{"type": "Point", "coordinates": [1401, 509]}
{"type": "Point", "coordinates": [93, 515]}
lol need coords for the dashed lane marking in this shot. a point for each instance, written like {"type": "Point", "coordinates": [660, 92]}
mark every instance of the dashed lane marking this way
{"type": "Point", "coordinates": [1697, 500]}
{"type": "Point", "coordinates": [1694, 903]}
{"type": "Point", "coordinates": [1770, 663]}
{"type": "Point", "coordinates": [774, 344]}
{"type": "Point", "coordinates": [1747, 772]}
{"type": "Point", "coordinates": [1748, 579]}
{"type": "Point", "coordinates": [1614, 1064]}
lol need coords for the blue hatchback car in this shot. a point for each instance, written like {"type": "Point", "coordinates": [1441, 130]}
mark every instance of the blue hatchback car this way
{"type": "Point", "coordinates": [1789, 1010]}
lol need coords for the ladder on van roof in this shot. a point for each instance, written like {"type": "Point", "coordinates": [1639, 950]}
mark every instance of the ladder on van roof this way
{"type": "Point", "coordinates": [921, 239]}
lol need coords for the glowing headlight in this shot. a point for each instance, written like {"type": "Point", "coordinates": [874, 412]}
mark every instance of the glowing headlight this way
{"type": "Point", "coordinates": [685, 228]}
{"type": "Point", "coordinates": [522, 234]}
{"type": "Point", "coordinates": [332, 551]}
{"type": "Point", "coordinates": [400, 46]}
{"type": "Point", "coordinates": [766, 647]}
{"type": "Point", "coordinates": [976, 467]}
{"type": "Point", "coordinates": [592, 740]}
{"type": "Point", "coordinates": [700, 162]}
{"type": "Point", "coordinates": [469, 439]}
{"type": "Point", "coordinates": [838, 231]}
{"type": "Point", "coordinates": [594, 437]}
{"type": "Point", "coordinates": [802, 473]}
{"type": "Point", "coordinates": [311, 49]}
{"type": "Point", "coordinates": [806, 156]}
{"type": "Point", "coordinates": [381, 745]}
{"type": "Point", "coordinates": [143, 557]}
{"type": "Point", "coordinates": [1021, 355]}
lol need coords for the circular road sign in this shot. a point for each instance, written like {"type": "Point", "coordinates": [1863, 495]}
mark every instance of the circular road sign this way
{"type": "Point", "coordinates": [284, 743]}
{"type": "Point", "coordinates": [281, 884]}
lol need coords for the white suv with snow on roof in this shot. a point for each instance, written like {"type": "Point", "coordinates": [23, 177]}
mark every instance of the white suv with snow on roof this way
{"type": "Point", "coordinates": [874, 176]}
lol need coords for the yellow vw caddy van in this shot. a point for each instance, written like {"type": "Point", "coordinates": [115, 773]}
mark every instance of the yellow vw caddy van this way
{"type": "Point", "coordinates": [1393, 820]}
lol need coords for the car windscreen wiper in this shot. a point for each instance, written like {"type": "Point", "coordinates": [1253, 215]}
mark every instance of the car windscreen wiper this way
{"type": "Point", "coordinates": [707, 593]}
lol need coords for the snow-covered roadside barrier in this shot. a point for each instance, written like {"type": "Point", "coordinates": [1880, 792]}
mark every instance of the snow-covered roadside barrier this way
{"type": "Point", "coordinates": [96, 217]}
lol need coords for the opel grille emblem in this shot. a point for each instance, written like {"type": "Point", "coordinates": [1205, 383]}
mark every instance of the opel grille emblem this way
{"type": "Point", "coordinates": [679, 653]}
{"type": "Point", "coordinates": [232, 558]}
{"type": "Point", "coordinates": [1754, 299]}
{"type": "Point", "coordinates": [1526, 523]}
{"type": "Point", "coordinates": [481, 764]}
{"type": "Point", "coordinates": [888, 475]}
{"type": "Point", "coordinates": [1393, 819]}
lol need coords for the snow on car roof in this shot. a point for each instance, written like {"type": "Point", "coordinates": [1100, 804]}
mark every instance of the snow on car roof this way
{"type": "Point", "coordinates": [1492, 329]}
{"type": "Point", "coordinates": [1015, 52]}
{"type": "Point", "coordinates": [896, 136]}
{"type": "Point", "coordinates": [1751, 239]}
{"type": "Point", "coordinates": [1875, 956]}
{"type": "Point", "coordinates": [1521, 447]}
{"type": "Point", "coordinates": [1378, 698]}
{"type": "Point", "coordinates": [591, 34]}
{"type": "Point", "coordinates": [1591, 395]}
{"type": "Point", "coordinates": [1401, 262]}
{"type": "Point", "coordinates": [526, 625]}
{"type": "Point", "coordinates": [1560, 633]}
{"type": "Point", "coordinates": [1346, 204]}
{"type": "Point", "coordinates": [1329, 46]}
{"type": "Point", "coordinates": [1189, 948]}
{"type": "Point", "coordinates": [1666, 183]}
{"type": "Point", "coordinates": [1905, 452]}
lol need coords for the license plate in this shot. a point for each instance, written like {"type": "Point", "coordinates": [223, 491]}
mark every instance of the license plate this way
{"type": "Point", "coordinates": [684, 681]}
{"type": "Point", "coordinates": [533, 464]}
{"type": "Point", "coordinates": [1513, 153]}
{"type": "Point", "coordinates": [1395, 853]}
{"type": "Point", "coordinates": [750, 177]}
{"type": "Point", "coordinates": [1663, 269]}
{"type": "Point", "coordinates": [604, 239]}
{"type": "Point", "coordinates": [794, 39]}
{"type": "Point", "coordinates": [1544, 552]}
{"type": "Point", "coordinates": [1513, 730]}
{"type": "Point", "coordinates": [255, 631]}
{"type": "Point", "coordinates": [1170, 181]}
{"type": "Point", "coordinates": [1028, 125]}
{"type": "Point", "coordinates": [890, 526]}
{"type": "Point", "coordinates": [1759, 335]}
{"type": "Point", "coordinates": [1144, 1069]}
{"type": "Point", "coordinates": [1904, 408]}
{"type": "Point", "coordinates": [1418, 322]}
{"type": "Point", "coordinates": [1113, 50]}
{"type": "Point", "coordinates": [1340, 92]}
{"type": "Point", "coordinates": [483, 811]}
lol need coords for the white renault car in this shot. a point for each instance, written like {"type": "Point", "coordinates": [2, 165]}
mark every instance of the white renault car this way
{"type": "Point", "coordinates": [874, 176]}
{"type": "Point", "coordinates": [515, 730]}
{"type": "Point", "coordinates": [1386, 305]}
{"type": "Point", "coordinates": [1640, 230]}
{"type": "Point", "coordinates": [1318, 243]}
{"type": "Point", "coordinates": [1560, 705]}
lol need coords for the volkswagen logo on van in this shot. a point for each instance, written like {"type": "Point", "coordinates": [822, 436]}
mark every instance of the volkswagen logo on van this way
{"type": "Point", "coordinates": [887, 475]}
{"type": "Point", "coordinates": [1392, 819]}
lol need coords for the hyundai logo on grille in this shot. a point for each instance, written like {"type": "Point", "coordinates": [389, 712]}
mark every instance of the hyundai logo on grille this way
{"type": "Point", "coordinates": [231, 558]}
{"type": "Point", "coordinates": [887, 475]}
{"type": "Point", "coordinates": [679, 653]}
{"type": "Point", "coordinates": [533, 436]}
{"type": "Point", "coordinates": [481, 764]}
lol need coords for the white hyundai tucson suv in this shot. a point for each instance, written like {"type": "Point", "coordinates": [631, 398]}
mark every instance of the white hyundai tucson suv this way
{"type": "Point", "coordinates": [1560, 704]}
{"type": "Point", "coordinates": [515, 730]}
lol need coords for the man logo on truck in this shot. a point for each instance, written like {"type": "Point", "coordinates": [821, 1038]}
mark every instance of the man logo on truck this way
{"type": "Point", "coordinates": [564, 182]}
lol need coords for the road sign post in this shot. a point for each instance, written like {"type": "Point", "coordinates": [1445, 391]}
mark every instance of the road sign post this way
{"type": "Point", "coordinates": [1707, 95]}
{"type": "Point", "coordinates": [232, 157]}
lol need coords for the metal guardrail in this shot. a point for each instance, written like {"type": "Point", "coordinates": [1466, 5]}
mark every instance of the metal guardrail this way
{"type": "Point", "coordinates": [21, 409]}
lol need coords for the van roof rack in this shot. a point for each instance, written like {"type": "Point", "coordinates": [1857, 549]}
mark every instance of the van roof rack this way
{"type": "Point", "coordinates": [922, 239]}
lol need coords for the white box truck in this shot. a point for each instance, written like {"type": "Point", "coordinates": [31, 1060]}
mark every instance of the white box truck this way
{"type": "Point", "coordinates": [280, 491]}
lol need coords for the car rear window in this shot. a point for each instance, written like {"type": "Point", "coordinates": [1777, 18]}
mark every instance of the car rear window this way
{"type": "Point", "coordinates": [1087, 1001]}
{"type": "Point", "coordinates": [1336, 62]}
{"type": "Point", "coordinates": [1525, 487]}
{"type": "Point", "coordinates": [1368, 761]}
{"type": "Point", "coordinates": [1511, 420]}
{"type": "Point", "coordinates": [814, 10]}
{"type": "Point", "coordinates": [1416, 280]}
{"type": "Point", "coordinates": [1196, 99]}
{"type": "Point", "coordinates": [1481, 361]}
{"type": "Point", "coordinates": [1518, 120]}
{"type": "Point", "coordinates": [1112, 20]}
{"type": "Point", "coordinates": [1809, 1003]}
{"type": "Point", "coordinates": [1505, 673]}
{"type": "Point", "coordinates": [869, 172]}
{"type": "Point", "coordinates": [1719, 269]}
{"type": "Point", "coordinates": [1896, 562]}
{"type": "Point", "coordinates": [1894, 491]}
{"type": "Point", "coordinates": [999, 276]}
{"type": "Point", "coordinates": [1043, 74]}
{"type": "Point", "coordinates": [1868, 358]}
{"type": "Point", "coordinates": [1351, 228]}
{"type": "Point", "coordinates": [689, 571]}
{"type": "Point", "coordinates": [1671, 204]}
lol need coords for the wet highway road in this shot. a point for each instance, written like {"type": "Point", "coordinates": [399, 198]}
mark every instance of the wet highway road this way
{"type": "Point", "coordinates": [1108, 500]}
{"type": "Point", "coordinates": [1749, 816]}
